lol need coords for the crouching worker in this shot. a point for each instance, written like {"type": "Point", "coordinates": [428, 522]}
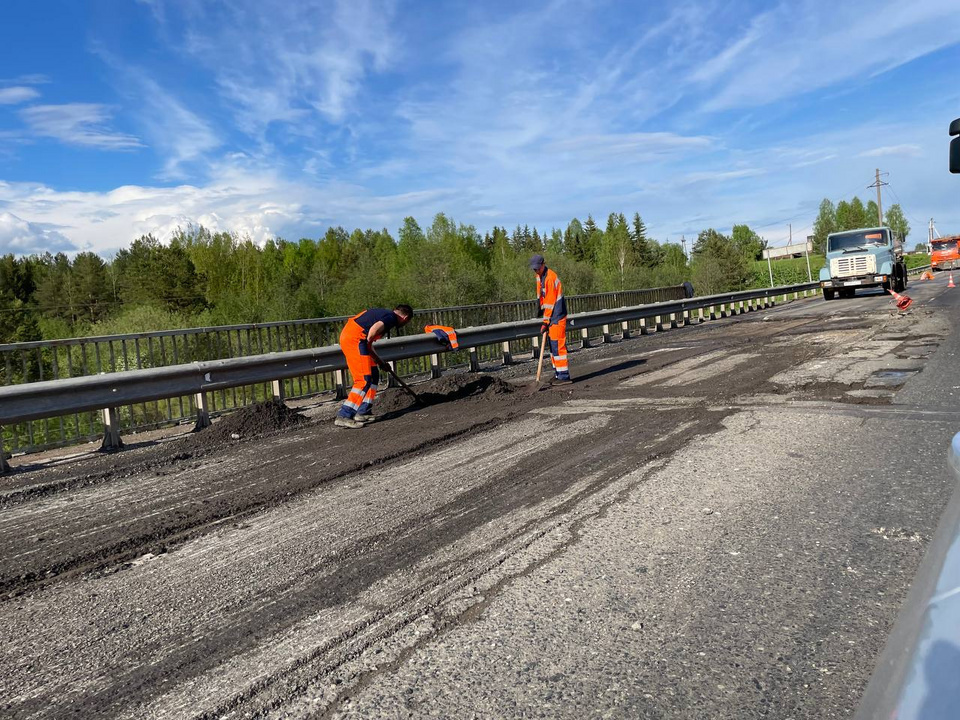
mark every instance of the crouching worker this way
{"type": "Point", "coordinates": [553, 310]}
{"type": "Point", "coordinates": [356, 343]}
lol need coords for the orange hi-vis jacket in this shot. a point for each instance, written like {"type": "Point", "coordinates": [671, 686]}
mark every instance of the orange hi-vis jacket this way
{"type": "Point", "coordinates": [550, 295]}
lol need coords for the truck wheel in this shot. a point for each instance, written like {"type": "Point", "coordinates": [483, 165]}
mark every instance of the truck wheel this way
{"type": "Point", "coordinates": [829, 294]}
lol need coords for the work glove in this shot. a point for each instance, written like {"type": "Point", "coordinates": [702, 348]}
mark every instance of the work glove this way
{"type": "Point", "coordinates": [540, 312]}
{"type": "Point", "coordinates": [545, 328]}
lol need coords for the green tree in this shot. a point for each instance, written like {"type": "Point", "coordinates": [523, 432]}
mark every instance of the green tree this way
{"type": "Point", "coordinates": [718, 265]}
{"type": "Point", "coordinates": [897, 221]}
{"type": "Point", "coordinates": [573, 246]}
{"type": "Point", "coordinates": [616, 262]}
{"type": "Point", "coordinates": [748, 242]}
{"type": "Point", "coordinates": [825, 224]}
{"type": "Point", "coordinates": [641, 243]}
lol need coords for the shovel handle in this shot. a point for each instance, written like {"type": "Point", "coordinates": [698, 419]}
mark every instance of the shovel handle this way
{"type": "Point", "coordinates": [543, 342]}
{"type": "Point", "coordinates": [394, 375]}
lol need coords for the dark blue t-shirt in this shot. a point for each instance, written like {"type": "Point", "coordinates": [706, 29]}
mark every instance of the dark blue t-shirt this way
{"type": "Point", "coordinates": [370, 317]}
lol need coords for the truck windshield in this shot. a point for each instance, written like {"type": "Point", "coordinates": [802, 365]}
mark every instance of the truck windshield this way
{"type": "Point", "coordinates": [854, 240]}
{"type": "Point", "coordinates": [944, 245]}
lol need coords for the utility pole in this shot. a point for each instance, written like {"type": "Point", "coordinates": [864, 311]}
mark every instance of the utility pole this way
{"type": "Point", "coordinates": [930, 237]}
{"type": "Point", "coordinates": [683, 244]}
{"type": "Point", "coordinates": [877, 184]}
{"type": "Point", "coordinates": [769, 266]}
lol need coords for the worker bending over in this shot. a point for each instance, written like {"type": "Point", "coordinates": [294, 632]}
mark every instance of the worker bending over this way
{"type": "Point", "coordinates": [356, 343]}
{"type": "Point", "coordinates": [553, 310]}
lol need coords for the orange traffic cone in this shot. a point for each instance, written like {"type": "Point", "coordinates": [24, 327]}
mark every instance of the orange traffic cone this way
{"type": "Point", "coordinates": [950, 284]}
{"type": "Point", "coordinates": [903, 302]}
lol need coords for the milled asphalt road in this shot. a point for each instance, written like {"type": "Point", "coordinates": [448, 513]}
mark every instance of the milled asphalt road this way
{"type": "Point", "coordinates": [716, 521]}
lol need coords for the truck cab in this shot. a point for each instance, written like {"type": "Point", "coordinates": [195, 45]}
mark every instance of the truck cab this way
{"type": "Point", "coordinates": [946, 254]}
{"type": "Point", "coordinates": [867, 257]}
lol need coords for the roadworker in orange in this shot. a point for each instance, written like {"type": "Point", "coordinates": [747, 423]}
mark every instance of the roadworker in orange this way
{"type": "Point", "coordinates": [553, 310]}
{"type": "Point", "coordinates": [356, 343]}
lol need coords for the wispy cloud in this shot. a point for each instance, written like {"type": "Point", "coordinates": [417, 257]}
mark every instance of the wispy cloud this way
{"type": "Point", "coordinates": [721, 175]}
{"type": "Point", "coordinates": [84, 124]}
{"type": "Point", "coordinates": [906, 150]}
{"type": "Point", "coordinates": [17, 94]}
{"type": "Point", "coordinates": [800, 47]}
{"type": "Point", "coordinates": [308, 62]}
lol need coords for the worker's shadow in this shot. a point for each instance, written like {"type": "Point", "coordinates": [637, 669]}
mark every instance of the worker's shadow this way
{"type": "Point", "coordinates": [619, 367]}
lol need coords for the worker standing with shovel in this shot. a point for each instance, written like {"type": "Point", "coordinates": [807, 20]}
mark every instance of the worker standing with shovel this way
{"type": "Point", "coordinates": [356, 343]}
{"type": "Point", "coordinates": [553, 310]}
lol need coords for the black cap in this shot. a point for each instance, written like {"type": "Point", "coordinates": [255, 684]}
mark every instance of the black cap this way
{"type": "Point", "coordinates": [536, 261]}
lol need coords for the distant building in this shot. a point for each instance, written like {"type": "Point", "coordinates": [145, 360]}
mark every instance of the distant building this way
{"type": "Point", "coordinates": [787, 251]}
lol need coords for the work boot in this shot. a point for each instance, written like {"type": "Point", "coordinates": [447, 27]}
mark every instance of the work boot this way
{"type": "Point", "coordinates": [349, 423]}
{"type": "Point", "coordinates": [365, 418]}
{"type": "Point", "coordinates": [561, 381]}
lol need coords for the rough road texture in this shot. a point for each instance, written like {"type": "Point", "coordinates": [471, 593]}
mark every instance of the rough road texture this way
{"type": "Point", "coordinates": [717, 521]}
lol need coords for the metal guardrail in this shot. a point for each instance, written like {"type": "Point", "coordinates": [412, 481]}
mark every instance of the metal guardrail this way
{"type": "Point", "coordinates": [79, 357]}
{"type": "Point", "coordinates": [198, 381]}
{"type": "Point", "coordinates": [916, 677]}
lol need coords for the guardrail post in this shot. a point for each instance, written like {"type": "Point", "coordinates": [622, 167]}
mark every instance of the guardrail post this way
{"type": "Point", "coordinates": [278, 391]}
{"type": "Point", "coordinates": [784, 297]}
{"type": "Point", "coordinates": [535, 341]}
{"type": "Point", "coordinates": [339, 385]}
{"type": "Point", "coordinates": [796, 295]}
{"type": "Point", "coordinates": [606, 334]}
{"type": "Point", "coordinates": [700, 317]}
{"type": "Point", "coordinates": [584, 338]}
{"type": "Point", "coordinates": [4, 465]}
{"type": "Point", "coordinates": [507, 355]}
{"type": "Point", "coordinates": [434, 366]}
{"type": "Point", "coordinates": [111, 430]}
{"type": "Point", "coordinates": [625, 330]}
{"type": "Point", "coordinates": [673, 321]}
{"type": "Point", "coordinates": [685, 318]}
{"type": "Point", "coordinates": [474, 360]}
{"type": "Point", "coordinates": [658, 320]}
{"type": "Point", "coordinates": [644, 330]}
{"type": "Point", "coordinates": [203, 411]}
{"type": "Point", "coordinates": [391, 383]}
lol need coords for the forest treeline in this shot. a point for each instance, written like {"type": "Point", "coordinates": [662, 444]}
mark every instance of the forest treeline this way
{"type": "Point", "coordinates": [202, 278]}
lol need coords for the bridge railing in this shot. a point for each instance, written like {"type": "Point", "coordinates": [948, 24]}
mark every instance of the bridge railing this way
{"type": "Point", "coordinates": [197, 385]}
{"type": "Point", "coordinates": [46, 360]}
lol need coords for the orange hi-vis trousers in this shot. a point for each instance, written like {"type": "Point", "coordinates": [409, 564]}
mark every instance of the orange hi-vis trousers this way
{"type": "Point", "coordinates": [363, 368]}
{"type": "Point", "coordinates": [558, 349]}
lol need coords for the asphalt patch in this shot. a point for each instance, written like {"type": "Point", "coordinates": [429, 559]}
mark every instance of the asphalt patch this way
{"type": "Point", "coordinates": [459, 386]}
{"type": "Point", "coordinates": [262, 418]}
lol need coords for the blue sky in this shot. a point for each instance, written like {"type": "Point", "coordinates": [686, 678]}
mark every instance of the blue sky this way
{"type": "Point", "coordinates": [282, 119]}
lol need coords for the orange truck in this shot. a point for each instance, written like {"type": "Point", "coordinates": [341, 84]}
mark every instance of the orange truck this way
{"type": "Point", "coordinates": [946, 253]}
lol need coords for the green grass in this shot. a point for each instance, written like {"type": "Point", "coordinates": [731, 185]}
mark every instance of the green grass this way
{"type": "Point", "coordinates": [790, 271]}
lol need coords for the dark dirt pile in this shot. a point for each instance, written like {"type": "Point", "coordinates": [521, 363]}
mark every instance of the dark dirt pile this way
{"type": "Point", "coordinates": [258, 419]}
{"type": "Point", "coordinates": [459, 386]}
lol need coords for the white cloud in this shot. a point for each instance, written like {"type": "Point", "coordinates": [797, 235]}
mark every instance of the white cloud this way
{"type": "Point", "coordinates": [77, 124]}
{"type": "Point", "coordinates": [291, 63]}
{"type": "Point", "coordinates": [638, 145]}
{"type": "Point", "coordinates": [720, 175]}
{"type": "Point", "coordinates": [909, 150]}
{"type": "Point", "coordinates": [17, 94]}
{"type": "Point", "coordinates": [799, 47]}
{"type": "Point", "coordinates": [20, 237]}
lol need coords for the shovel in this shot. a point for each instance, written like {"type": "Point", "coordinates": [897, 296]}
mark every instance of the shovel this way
{"type": "Point", "coordinates": [388, 369]}
{"type": "Point", "coordinates": [543, 348]}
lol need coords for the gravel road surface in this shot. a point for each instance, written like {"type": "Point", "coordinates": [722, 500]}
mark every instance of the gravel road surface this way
{"type": "Point", "coordinates": [716, 521]}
